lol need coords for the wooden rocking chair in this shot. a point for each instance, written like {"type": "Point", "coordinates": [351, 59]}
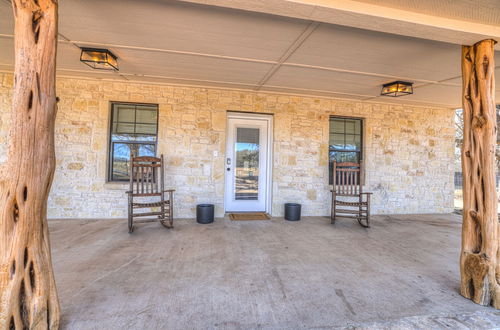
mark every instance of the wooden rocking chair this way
{"type": "Point", "coordinates": [146, 193]}
{"type": "Point", "coordinates": [347, 184]}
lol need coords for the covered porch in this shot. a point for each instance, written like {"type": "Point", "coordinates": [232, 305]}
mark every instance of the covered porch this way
{"type": "Point", "coordinates": [187, 73]}
{"type": "Point", "coordinates": [402, 273]}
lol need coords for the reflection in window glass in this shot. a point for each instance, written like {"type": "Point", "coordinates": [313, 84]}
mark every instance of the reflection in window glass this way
{"type": "Point", "coordinates": [133, 132]}
{"type": "Point", "coordinates": [247, 163]}
{"type": "Point", "coordinates": [346, 140]}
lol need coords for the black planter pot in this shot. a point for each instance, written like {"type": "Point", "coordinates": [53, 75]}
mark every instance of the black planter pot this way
{"type": "Point", "coordinates": [205, 213]}
{"type": "Point", "coordinates": [292, 211]}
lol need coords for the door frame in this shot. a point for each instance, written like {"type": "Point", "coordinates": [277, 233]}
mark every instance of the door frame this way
{"type": "Point", "coordinates": [269, 154]}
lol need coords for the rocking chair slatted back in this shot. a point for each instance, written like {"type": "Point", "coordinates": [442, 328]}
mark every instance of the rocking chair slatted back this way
{"type": "Point", "coordinates": [144, 176]}
{"type": "Point", "coordinates": [347, 184]}
{"type": "Point", "coordinates": [145, 181]}
{"type": "Point", "coordinates": [347, 179]}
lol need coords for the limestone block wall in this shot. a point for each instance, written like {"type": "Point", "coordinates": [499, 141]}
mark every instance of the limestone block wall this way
{"type": "Point", "coordinates": [408, 149]}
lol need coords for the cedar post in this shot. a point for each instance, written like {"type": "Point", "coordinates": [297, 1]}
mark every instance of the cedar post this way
{"type": "Point", "coordinates": [28, 296]}
{"type": "Point", "coordinates": [480, 255]}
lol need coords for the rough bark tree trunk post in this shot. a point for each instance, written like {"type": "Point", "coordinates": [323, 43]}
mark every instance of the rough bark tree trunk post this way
{"type": "Point", "coordinates": [28, 296]}
{"type": "Point", "coordinates": [480, 256]}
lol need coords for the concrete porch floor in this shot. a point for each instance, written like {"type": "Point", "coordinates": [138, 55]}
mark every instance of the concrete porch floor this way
{"type": "Point", "coordinates": [401, 273]}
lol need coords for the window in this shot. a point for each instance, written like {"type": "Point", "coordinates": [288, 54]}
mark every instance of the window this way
{"type": "Point", "coordinates": [134, 130]}
{"type": "Point", "coordinates": [346, 141]}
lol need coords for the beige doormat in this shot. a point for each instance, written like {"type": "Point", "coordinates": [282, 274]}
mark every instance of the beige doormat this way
{"type": "Point", "coordinates": [249, 216]}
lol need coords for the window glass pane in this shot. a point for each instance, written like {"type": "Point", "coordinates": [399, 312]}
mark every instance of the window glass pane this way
{"type": "Point", "coordinates": [145, 129]}
{"type": "Point", "coordinates": [357, 127]}
{"type": "Point", "coordinates": [350, 142]}
{"type": "Point", "coordinates": [350, 126]}
{"type": "Point", "coordinates": [133, 137]}
{"type": "Point", "coordinates": [114, 115]}
{"type": "Point", "coordinates": [337, 141]}
{"type": "Point", "coordinates": [126, 113]}
{"type": "Point", "coordinates": [120, 158]}
{"type": "Point", "coordinates": [146, 115]}
{"type": "Point", "coordinates": [336, 126]}
{"type": "Point", "coordinates": [345, 141]}
{"type": "Point", "coordinates": [132, 126]}
{"type": "Point", "coordinates": [147, 150]}
{"type": "Point", "coordinates": [123, 128]}
{"type": "Point", "coordinates": [343, 157]}
{"type": "Point", "coordinates": [144, 138]}
{"type": "Point", "coordinates": [120, 161]}
{"type": "Point", "coordinates": [357, 142]}
{"type": "Point", "coordinates": [123, 137]}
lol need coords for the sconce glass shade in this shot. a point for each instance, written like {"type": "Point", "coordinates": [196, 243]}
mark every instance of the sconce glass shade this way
{"type": "Point", "coordinates": [101, 59]}
{"type": "Point", "coordinates": [397, 88]}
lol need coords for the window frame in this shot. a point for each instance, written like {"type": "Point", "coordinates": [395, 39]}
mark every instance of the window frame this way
{"type": "Point", "coordinates": [361, 151]}
{"type": "Point", "coordinates": [111, 143]}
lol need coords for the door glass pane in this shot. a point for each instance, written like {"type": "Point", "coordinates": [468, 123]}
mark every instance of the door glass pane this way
{"type": "Point", "coordinates": [247, 164]}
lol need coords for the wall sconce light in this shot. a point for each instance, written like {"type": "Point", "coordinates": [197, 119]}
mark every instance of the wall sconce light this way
{"type": "Point", "coordinates": [397, 88]}
{"type": "Point", "coordinates": [97, 58]}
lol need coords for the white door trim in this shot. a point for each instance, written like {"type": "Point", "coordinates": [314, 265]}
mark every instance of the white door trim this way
{"type": "Point", "coordinates": [269, 154]}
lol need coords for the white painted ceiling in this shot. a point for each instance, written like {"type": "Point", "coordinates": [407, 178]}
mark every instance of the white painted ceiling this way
{"type": "Point", "coordinates": [175, 42]}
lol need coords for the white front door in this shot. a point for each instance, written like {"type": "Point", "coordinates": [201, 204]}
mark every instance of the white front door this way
{"type": "Point", "coordinates": [247, 163]}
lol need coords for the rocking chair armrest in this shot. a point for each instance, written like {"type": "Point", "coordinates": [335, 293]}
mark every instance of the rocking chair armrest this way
{"type": "Point", "coordinates": [367, 194]}
{"type": "Point", "coordinates": [169, 190]}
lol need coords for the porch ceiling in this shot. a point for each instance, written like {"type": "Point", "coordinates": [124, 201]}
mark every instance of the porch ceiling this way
{"type": "Point", "coordinates": [195, 44]}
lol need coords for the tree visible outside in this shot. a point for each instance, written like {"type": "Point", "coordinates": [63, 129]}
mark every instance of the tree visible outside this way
{"type": "Point", "coordinates": [459, 125]}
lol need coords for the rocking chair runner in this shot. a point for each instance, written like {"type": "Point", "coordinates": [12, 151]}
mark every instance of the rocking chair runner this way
{"type": "Point", "coordinates": [347, 184]}
{"type": "Point", "coordinates": [145, 191]}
